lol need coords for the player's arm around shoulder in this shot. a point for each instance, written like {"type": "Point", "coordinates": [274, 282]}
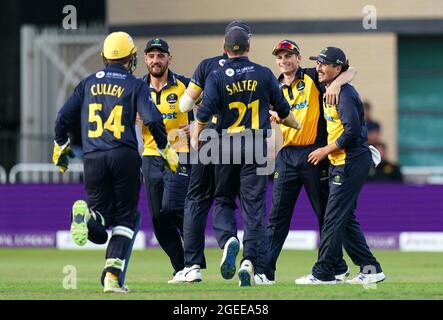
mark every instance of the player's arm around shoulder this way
{"type": "Point", "coordinates": [332, 94]}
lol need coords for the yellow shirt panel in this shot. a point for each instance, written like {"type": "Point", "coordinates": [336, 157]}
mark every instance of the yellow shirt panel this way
{"type": "Point", "coordinates": [335, 129]}
{"type": "Point", "coordinates": [173, 118]}
{"type": "Point", "coordinates": [305, 105]}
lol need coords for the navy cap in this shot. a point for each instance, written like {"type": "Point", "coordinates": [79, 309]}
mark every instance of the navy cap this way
{"type": "Point", "coordinates": [331, 55]}
{"type": "Point", "coordinates": [157, 43]}
{"type": "Point", "coordinates": [240, 24]}
{"type": "Point", "coordinates": [236, 39]}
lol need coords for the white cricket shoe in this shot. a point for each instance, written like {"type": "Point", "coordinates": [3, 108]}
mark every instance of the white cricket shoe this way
{"type": "Point", "coordinates": [367, 278]}
{"type": "Point", "coordinates": [311, 280]}
{"type": "Point", "coordinates": [261, 279]}
{"type": "Point", "coordinates": [187, 275]}
{"type": "Point", "coordinates": [230, 251]}
{"type": "Point", "coordinates": [246, 274]}
{"type": "Point", "coordinates": [342, 277]}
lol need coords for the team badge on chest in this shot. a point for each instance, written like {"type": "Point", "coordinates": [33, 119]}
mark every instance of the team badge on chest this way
{"type": "Point", "coordinates": [172, 98]}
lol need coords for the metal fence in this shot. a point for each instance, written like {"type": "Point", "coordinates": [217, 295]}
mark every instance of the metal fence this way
{"type": "Point", "coordinates": [53, 61]}
{"type": "Point", "coordinates": [48, 173]}
{"type": "Point", "coordinates": [45, 173]}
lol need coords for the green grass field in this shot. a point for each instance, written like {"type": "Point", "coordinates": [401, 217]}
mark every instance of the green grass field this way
{"type": "Point", "coordinates": [38, 274]}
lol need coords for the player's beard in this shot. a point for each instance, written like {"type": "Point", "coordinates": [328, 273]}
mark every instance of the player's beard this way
{"type": "Point", "coordinates": [160, 72]}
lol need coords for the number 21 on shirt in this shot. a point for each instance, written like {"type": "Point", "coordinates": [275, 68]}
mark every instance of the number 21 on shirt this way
{"type": "Point", "coordinates": [242, 108]}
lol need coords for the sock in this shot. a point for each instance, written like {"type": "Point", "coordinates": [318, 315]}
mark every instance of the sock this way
{"type": "Point", "coordinates": [111, 275]}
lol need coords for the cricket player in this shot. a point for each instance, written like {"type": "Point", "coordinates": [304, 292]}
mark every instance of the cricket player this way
{"type": "Point", "coordinates": [165, 190]}
{"type": "Point", "coordinates": [351, 160]}
{"type": "Point", "coordinates": [240, 94]}
{"type": "Point", "coordinates": [106, 103]}
{"type": "Point", "coordinates": [201, 191]}
{"type": "Point", "coordinates": [304, 93]}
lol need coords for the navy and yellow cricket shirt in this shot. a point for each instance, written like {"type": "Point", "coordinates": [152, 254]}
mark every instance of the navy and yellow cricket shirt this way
{"type": "Point", "coordinates": [106, 103]}
{"type": "Point", "coordinates": [202, 72]}
{"type": "Point", "coordinates": [167, 102]}
{"type": "Point", "coordinates": [240, 94]}
{"type": "Point", "coordinates": [346, 126]}
{"type": "Point", "coordinates": [204, 69]}
{"type": "Point", "coordinates": [305, 99]}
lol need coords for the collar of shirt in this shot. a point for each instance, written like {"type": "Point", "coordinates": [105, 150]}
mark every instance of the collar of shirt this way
{"type": "Point", "coordinates": [239, 59]}
{"type": "Point", "coordinates": [172, 80]}
{"type": "Point", "coordinates": [298, 75]}
{"type": "Point", "coordinates": [116, 66]}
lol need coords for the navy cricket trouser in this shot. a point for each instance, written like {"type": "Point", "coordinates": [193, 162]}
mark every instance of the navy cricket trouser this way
{"type": "Point", "coordinates": [292, 171]}
{"type": "Point", "coordinates": [232, 180]}
{"type": "Point", "coordinates": [166, 194]}
{"type": "Point", "coordinates": [340, 227]}
{"type": "Point", "coordinates": [112, 183]}
{"type": "Point", "coordinates": [197, 205]}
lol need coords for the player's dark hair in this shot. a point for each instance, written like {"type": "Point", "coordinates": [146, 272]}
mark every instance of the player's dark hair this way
{"type": "Point", "coordinates": [344, 66]}
{"type": "Point", "coordinates": [237, 52]}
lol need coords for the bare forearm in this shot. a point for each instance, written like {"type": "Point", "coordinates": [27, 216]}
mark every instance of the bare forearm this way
{"type": "Point", "coordinates": [346, 77]}
{"type": "Point", "coordinates": [332, 93]}
{"type": "Point", "coordinates": [330, 148]}
{"type": "Point", "coordinates": [319, 154]}
{"type": "Point", "coordinates": [195, 134]}
{"type": "Point", "coordinates": [198, 128]}
{"type": "Point", "coordinates": [291, 121]}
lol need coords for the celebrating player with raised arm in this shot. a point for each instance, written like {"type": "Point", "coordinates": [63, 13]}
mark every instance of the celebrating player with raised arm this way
{"type": "Point", "coordinates": [201, 192]}
{"type": "Point", "coordinates": [304, 93]}
{"type": "Point", "coordinates": [240, 94]}
{"type": "Point", "coordinates": [350, 158]}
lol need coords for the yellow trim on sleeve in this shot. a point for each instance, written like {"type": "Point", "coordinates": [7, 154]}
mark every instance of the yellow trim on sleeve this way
{"type": "Point", "coordinates": [195, 86]}
{"type": "Point", "coordinates": [200, 122]}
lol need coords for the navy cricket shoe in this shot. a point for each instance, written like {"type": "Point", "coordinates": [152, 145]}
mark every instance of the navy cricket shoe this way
{"type": "Point", "coordinates": [227, 265]}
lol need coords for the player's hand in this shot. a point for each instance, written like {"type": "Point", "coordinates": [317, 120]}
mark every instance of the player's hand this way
{"type": "Point", "coordinates": [317, 155]}
{"type": "Point", "coordinates": [274, 117]}
{"type": "Point", "coordinates": [61, 155]}
{"type": "Point", "coordinates": [332, 94]}
{"type": "Point", "coordinates": [171, 157]}
{"type": "Point", "coordinates": [184, 130]}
